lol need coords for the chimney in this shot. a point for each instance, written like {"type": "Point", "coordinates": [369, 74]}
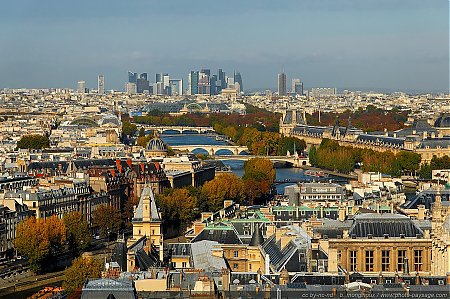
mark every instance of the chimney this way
{"type": "Point", "coordinates": [267, 265]}
{"type": "Point", "coordinates": [421, 212]}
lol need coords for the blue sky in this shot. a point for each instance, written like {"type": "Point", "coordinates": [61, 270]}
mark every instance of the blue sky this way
{"type": "Point", "coordinates": [358, 44]}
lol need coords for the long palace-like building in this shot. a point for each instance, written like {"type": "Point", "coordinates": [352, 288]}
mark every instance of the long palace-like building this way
{"type": "Point", "coordinates": [420, 137]}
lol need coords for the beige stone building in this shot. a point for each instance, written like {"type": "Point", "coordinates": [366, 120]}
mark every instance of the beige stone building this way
{"type": "Point", "coordinates": [440, 237]}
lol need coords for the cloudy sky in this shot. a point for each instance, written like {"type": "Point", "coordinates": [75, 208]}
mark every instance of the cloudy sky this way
{"type": "Point", "coordinates": [357, 44]}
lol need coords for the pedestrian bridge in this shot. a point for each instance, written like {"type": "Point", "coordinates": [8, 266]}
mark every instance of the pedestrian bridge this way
{"type": "Point", "coordinates": [212, 150]}
{"type": "Point", "coordinates": [180, 129]}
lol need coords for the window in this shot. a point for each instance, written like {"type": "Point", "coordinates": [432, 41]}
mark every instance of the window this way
{"type": "Point", "coordinates": [339, 256]}
{"type": "Point", "coordinates": [385, 260]}
{"type": "Point", "coordinates": [369, 260]}
{"type": "Point", "coordinates": [400, 260]}
{"type": "Point", "coordinates": [250, 266]}
{"type": "Point", "coordinates": [235, 266]}
{"type": "Point", "coordinates": [236, 253]}
{"type": "Point", "coordinates": [418, 260]}
{"type": "Point", "coordinates": [353, 259]}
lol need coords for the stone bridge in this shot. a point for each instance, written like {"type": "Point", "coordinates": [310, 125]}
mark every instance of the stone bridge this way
{"type": "Point", "coordinates": [296, 161]}
{"type": "Point", "coordinates": [181, 129]}
{"type": "Point", "coordinates": [213, 149]}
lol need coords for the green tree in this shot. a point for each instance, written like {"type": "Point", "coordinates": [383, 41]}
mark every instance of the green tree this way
{"type": "Point", "coordinates": [82, 268]}
{"type": "Point", "coordinates": [107, 219]}
{"type": "Point", "coordinates": [33, 142]}
{"type": "Point", "coordinates": [178, 208]}
{"type": "Point", "coordinates": [77, 232]}
{"type": "Point", "coordinates": [128, 128]}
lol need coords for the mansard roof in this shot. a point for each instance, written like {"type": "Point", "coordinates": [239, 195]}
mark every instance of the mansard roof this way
{"type": "Point", "coordinates": [379, 225]}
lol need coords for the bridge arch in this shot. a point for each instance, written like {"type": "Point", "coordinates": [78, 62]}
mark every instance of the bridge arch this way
{"type": "Point", "coordinates": [200, 150]}
{"type": "Point", "coordinates": [224, 152]}
{"type": "Point", "coordinates": [190, 131]}
{"type": "Point", "coordinates": [170, 131]}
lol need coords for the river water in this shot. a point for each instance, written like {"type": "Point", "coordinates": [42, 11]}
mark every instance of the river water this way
{"type": "Point", "coordinates": [237, 167]}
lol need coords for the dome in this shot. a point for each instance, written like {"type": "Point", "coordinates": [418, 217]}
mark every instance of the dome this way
{"type": "Point", "coordinates": [442, 121]}
{"type": "Point", "coordinates": [156, 144]}
{"type": "Point", "coordinates": [109, 119]}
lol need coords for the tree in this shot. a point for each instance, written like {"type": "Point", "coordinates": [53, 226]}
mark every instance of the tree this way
{"type": "Point", "coordinates": [178, 208]}
{"type": "Point", "coordinates": [260, 169]}
{"type": "Point", "coordinates": [223, 187]}
{"type": "Point", "coordinates": [77, 232]}
{"type": "Point", "coordinates": [82, 268]}
{"type": "Point", "coordinates": [143, 140]}
{"type": "Point", "coordinates": [141, 132]}
{"type": "Point", "coordinates": [40, 239]}
{"type": "Point", "coordinates": [33, 142]}
{"type": "Point", "coordinates": [107, 219]}
{"type": "Point", "coordinates": [128, 128]}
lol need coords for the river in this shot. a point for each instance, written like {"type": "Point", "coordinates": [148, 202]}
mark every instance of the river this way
{"type": "Point", "coordinates": [237, 167]}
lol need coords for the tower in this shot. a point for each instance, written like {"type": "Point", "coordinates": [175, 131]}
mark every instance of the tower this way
{"type": "Point", "coordinates": [101, 84]}
{"type": "Point", "coordinates": [282, 84]}
{"type": "Point", "coordinates": [147, 222]}
{"type": "Point", "coordinates": [81, 87]}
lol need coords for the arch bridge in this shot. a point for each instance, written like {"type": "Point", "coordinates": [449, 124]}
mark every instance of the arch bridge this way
{"type": "Point", "coordinates": [213, 149]}
{"type": "Point", "coordinates": [295, 160]}
{"type": "Point", "coordinates": [181, 129]}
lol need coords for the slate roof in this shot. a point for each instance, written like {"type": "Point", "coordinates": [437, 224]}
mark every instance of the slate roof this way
{"type": "Point", "coordinates": [222, 235]}
{"type": "Point", "coordinates": [379, 225]}
{"type": "Point", "coordinates": [385, 140]}
{"type": "Point", "coordinates": [443, 142]}
{"type": "Point", "coordinates": [202, 257]}
{"type": "Point", "coordinates": [146, 195]}
{"type": "Point", "coordinates": [106, 287]}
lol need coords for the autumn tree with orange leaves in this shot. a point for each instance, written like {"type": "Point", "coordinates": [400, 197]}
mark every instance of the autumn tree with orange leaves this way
{"type": "Point", "coordinates": [223, 187]}
{"type": "Point", "coordinates": [40, 239]}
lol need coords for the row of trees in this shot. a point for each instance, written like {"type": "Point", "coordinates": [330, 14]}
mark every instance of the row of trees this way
{"type": "Point", "coordinates": [43, 239]}
{"type": "Point", "coordinates": [369, 119]}
{"type": "Point", "coordinates": [436, 163]}
{"type": "Point", "coordinates": [330, 155]}
{"type": "Point", "coordinates": [34, 141]}
{"type": "Point", "coordinates": [180, 207]}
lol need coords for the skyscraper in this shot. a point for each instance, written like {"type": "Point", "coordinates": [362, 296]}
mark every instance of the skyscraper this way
{"type": "Point", "coordinates": [81, 88]}
{"type": "Point", "coordinates": [130, 88]}
{"type": "Point", "coordinates": [132, 77]}
{"type": "Point", "coordinates": [238, 79]}
{"type": "Point", "coordinates": [101, 84]}
{"type": "Point", "coordinates": [297, 86]}
{"type": "Point", "coordinates": [206, 72]}
{"type": "Point", "coordinates": [193, 83]}
{"type": "Point", "coordinates": [221, 80]}
{"type": "Point", "coordinates": [143, 76]}
{"type": "Point", "coordinates": [282, 84]}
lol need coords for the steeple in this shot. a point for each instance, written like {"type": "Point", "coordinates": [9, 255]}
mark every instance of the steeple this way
{"type": "Point", "coordinates": [257, 237]}
{"type": "Point", "coordinates": [146, 210]}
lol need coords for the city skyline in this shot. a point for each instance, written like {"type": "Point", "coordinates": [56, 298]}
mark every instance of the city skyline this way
{"type": "Point", "coordinates": [380, 45]}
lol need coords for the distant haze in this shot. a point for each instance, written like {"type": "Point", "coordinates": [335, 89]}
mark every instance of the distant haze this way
{"type": "Point", "coordinates": [358, 44]}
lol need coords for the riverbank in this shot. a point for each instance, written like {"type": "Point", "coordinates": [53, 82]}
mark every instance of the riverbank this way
{"type": "Point", "coordinates": [330, 172]}
{"type": "Point", "coordinates": [29, 285]}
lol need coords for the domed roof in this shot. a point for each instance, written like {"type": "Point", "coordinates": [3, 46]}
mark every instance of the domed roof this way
{"type": "Point", "coordinates": [109, 119]}
{"type": "Point", "coordinates": [156, 144]}
{"type": "Point", "coordinates": [442, 121]}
